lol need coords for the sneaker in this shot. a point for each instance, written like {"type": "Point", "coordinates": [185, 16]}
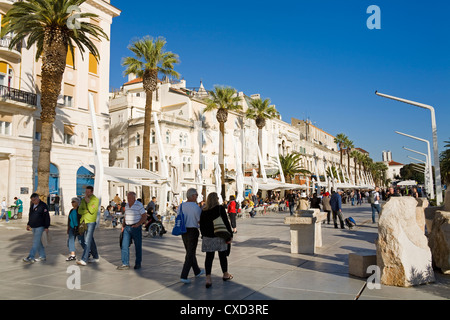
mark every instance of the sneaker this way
{"type": "Point", "coordinates": [92, 260]}
{"type": "Point", "coordinates": [123, 267]}
{"type": "Point", "coordinates": [40, 259]}
{"type": "Point", "coordinates": [71, 258]}
{"type": "Point", "coordinates": [81, 262]}
{"type": "Point", "coordinates": [28, 260]}
{"type": "Point", "coordinates": [202, 271]}
{"type": "Point", "coordinates": [185, 281]}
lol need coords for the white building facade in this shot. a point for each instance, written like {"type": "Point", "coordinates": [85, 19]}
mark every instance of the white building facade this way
{"type": "Point", "coordinates": [72, 144]}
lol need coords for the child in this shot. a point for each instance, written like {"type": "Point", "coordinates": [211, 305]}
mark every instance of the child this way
{"type": "Point", "coordinates": [72, 229]}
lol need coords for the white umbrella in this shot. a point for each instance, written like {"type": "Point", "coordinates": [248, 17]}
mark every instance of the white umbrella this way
{"type": "Point", "coordinates": [239, 176]}
{"type": "Point", "coordinates": [198, 179]}
{"type": "Point", "coordinates": [255, 184]}
{"type": "Point", "coordinates": [217, 174]}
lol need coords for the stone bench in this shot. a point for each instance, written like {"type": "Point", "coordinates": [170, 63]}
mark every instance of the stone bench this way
{"type": "Point", "coordinates": [359, 262]}
{"type": "Point", "coordinates": [306, 230]}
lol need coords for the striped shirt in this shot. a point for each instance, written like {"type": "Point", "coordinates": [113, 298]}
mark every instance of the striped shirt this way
{"type": "Point", "coordinates": [134, 213]}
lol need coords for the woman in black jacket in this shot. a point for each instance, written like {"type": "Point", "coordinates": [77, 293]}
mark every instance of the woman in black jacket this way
{"type": "Point", "coordinates": [211, 243]}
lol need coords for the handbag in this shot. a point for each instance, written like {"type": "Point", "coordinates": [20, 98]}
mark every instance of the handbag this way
{"type": "Point", "coordinates": [179, 228]}
{"type": "Point", "coordinates": [82, 228]}
{"type": "Point", "coordinates": [220, 230]}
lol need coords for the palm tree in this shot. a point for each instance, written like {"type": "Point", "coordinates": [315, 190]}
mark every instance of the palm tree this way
{"type": "Point", "coordinates": [341, 139]}
{"type": "Point", "coordinates": [260, 111]}
{"type": "Point", "coordinates": [357, 158]}
{"type": "Point", "coordinates": [349, 145]}
{"type": "Point", "coordinates": [290, 164]}
{"type": "Point", "coordinates": [222, 99]}
{"type": "Point", "coordinates": [48, 25]}
{"type": "Point", "coordinates": [150, 61]}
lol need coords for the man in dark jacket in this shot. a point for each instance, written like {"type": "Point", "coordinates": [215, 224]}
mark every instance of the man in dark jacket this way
{"type": "Point", "coordinates": [336, 208]}
{"type": "Point", "coordinates": [38, 222]}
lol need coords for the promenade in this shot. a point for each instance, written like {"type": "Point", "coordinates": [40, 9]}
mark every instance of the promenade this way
{"type": "Point", "coordinates": [260, 260]}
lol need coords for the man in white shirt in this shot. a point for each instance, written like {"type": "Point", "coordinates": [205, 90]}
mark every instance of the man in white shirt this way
{"type": "Point", "coordinates": [135, 216]}
{"type": "Point", "coordinates": [4, 210]}
{"type": "Point", "coordinates": [192, 212]}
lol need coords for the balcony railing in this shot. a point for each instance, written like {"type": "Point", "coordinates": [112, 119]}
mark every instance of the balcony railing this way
{"type": "Point", "coordinates": [18, 95]}
{"type": "Point", "coordinates": [5, 41]}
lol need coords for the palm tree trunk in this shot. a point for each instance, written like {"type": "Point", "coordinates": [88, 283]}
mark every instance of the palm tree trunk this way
{"type": "Point", "coordinates": [146, 142]}
{"type": "Point", "coordinates": [260, 148]}
{"type": "Point", "coordinates": [53, 66]}
{"type": "Point", "coordinates": [221, 157]}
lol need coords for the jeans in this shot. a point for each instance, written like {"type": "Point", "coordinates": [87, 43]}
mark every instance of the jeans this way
{"type": "Point", "coordinates": [56, 209]}
{"type": "Point", "coordinates": [375, 207]}
{"type": "Point", "coordinates": [190, 240]}
{"type": "Point", "coordinates": [136, 234]}
{"type": "Point", "coordinates": [71, 240]}
{"type": "Point", "coordinates": [291, 208]}
{"type": "Point", "coordinates": [37, 246]}
{"type": "Point", "coordinates": [90, 246]}
{"type": "Point", "coordinates": [4, 212]}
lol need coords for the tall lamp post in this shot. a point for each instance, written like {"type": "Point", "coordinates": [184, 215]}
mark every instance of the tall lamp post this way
{"type": "Point", "coordinates": [437, 168]}
{"type": "Point", "coordinates": [428, 170]}
{"type": "Point", "coordinates": [429, 159]}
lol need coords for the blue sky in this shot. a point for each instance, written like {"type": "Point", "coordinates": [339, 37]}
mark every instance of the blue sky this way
{"type": "Point", "coordinates": [313, 59]}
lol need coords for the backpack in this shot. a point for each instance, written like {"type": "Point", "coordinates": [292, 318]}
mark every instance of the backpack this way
{"type": "Point", "coordinates": [372, 198]}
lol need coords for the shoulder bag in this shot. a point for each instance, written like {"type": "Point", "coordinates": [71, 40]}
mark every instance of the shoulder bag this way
{"type": "Point", "coordinates": [179, 228]}
{"type": "Point", "coordinates": [220, 230]}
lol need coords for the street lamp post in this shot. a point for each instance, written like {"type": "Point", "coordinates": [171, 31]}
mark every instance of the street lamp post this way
{"type": "Point", "coordinates": [429, 160]}
{"type": "Point", "coordinates": [428, 170]}
{"type": "Point", "coordinates": [437, 169]}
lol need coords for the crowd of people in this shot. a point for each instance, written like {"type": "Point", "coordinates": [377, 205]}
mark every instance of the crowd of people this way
{"type": "Point", "coordinates": [199, 221]}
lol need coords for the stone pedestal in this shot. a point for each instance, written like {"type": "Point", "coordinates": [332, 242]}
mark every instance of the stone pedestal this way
{"type": "Point", "coordinates": [306, 230]}
{"type": "Point", "coordinates": [359, 262]}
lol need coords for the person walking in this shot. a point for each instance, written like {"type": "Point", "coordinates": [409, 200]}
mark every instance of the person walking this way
{"type": "Point", "coordinates": [135, 216]}
{"type": "Point", "coordinates": [336, 207]}
{"type": "Point", "coordinates": [88, 210]}
{"type": "Point", "coordinates": [192, 212]}
{"type": "Point", "coordinates": [56, 203]}
{"type": "Point", "coordinates": [211, 243]}
{"type": "Point", "coordinates": [73, 223]}
{"type": "Point", "coordinates": [4, 210]}
{"type": "Point", "coordinates": [19, 204]}
{"type": "Point", "coordinates": [232, 212]}
{"type": "Point", "coordinates": [291, 201]}
{"type": "Point", "coordinates": [38, 223]}
{"type": "Point", "coordinates": [375, 204]}
{"type": "Point", "coordinates": [327, 206]}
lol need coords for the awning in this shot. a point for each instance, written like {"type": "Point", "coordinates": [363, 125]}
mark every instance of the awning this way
{"type": "Point", "coordinates": [141, 177]}
{"type": "Point", "coordinates": [273, 184]}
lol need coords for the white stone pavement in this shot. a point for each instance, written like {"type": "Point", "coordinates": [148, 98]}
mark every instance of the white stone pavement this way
{"type": "Point", "coordinates": [260, 260]}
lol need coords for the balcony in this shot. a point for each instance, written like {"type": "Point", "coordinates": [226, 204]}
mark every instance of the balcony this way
{"type": "Point", "coordinates": [16, 95]}
{"type": "Point", "coordinates": [14, 55]}
{"type": "Point", "coordinates": [5, 5]}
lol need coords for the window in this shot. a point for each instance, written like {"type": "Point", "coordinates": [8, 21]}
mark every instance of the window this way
{"type": "Point", "coordinates": [186, 164]}
{"type": "Point", "coordinates": [38, 130]}
{"type": "Point", "coordinates": [93, 64]}
{"type": "Point", "coordinates": [153, 137]}
{"type": "Point", "coordinates": [90, 139]}
{"type": "Point", "coordinates": [138, 139]}
{"type": "Point", "coordinates": [69, 59]}
{"type": "Point", "coordinates": [138, 163]}
{"type": "Point", "coordinates": [68, 101]}
{"type": "Point", "coordinates": [6, 74]}
{"type": "Point", "coordinates": [5, 128]}
{"type": "Point", "coordinates": [69, 134]}
{"type": "Point", "coordinates": [167, 136]}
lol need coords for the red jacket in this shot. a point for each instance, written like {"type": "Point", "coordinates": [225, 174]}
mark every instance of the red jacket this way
{"type": "Point", "coordinates": [232, 207]}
